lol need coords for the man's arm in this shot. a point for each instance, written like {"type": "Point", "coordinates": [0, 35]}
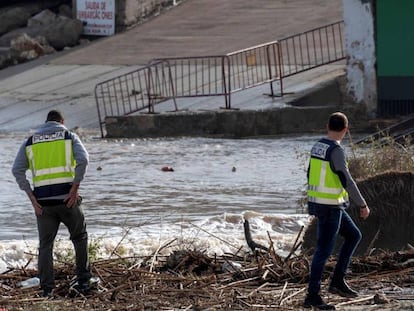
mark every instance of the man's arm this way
{"type": "Point", "coordinates": [20, 166]}
{"type": "Point", "coordinates": [340, 166]}
{"type": "Point", "coordinates": [81, 157]}
{"type": "Point", "coordinates": [82, 160]}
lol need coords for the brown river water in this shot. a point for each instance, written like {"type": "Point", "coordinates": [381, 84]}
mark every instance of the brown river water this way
{"type": "Point", "coordinates": [216, 183]}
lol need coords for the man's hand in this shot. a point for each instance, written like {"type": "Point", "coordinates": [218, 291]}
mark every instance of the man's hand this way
{"type": "Point", "coordinates": [72, 197]}
{"type": "Point", "coordinates": [37, 207]}
{"type": "Point", "coordinates": [364, 212]}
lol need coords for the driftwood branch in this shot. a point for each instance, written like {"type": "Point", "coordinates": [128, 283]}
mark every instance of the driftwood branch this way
{"type": "Point", "coordinates": [252, 244]}
{"type": "Point", "coordinates": [371, 244]}
{"type": "Point", "coordinates": [295, 245]}
{"type": "Point", "coordinates": [191, 279]}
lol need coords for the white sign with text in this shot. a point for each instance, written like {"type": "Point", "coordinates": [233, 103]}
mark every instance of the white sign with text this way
{"type": "Point", "coordinates": [98, 16]}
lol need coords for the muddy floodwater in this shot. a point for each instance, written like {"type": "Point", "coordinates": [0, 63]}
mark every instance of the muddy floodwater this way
{"type": "Point", "coordinates": [214, 185]}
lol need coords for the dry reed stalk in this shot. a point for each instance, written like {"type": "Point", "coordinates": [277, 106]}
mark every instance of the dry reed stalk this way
{"type": "Point", "coordinates": [265, 280]}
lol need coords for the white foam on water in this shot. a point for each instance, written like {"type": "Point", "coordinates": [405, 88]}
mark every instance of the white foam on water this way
{"type": "Point", "coordinates": [133, 208]}
{"type": "Point", "coordinates": [215, 235]}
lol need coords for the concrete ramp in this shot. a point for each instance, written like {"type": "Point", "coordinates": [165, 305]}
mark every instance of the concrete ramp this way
{"type": "Point", "coordinates": [66, 80]}
{"type": "Point", "coordinates": [25, 98]}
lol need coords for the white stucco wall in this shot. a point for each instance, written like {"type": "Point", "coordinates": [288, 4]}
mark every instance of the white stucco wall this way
{"type": "Point", "coordinates": [360, 49]}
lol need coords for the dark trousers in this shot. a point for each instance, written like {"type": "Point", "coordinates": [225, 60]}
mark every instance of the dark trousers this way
{"type": "Point", "coordinates": [48, 225]}
{"type": "Point", "coordinates": [331, 222]}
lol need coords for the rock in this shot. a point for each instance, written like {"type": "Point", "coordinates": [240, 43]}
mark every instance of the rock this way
{"type": "Point", "coordinates": [5, 58]}
{"type": "Point", "coordinates": [5, 40]}
{"type": "Point", "coordinates": [59, 31]}
{"type": "Point", "coordinates": [15, 14]}
{"type": "Point", "coordinates": [65, 10]}
{"type": "Point", "coordinates": [44, 18]}
{"type": "Point", "coordinates": [24, 48]}
{"type": "Point", "coordinates": [12, 19]}
{"type": "Point", "coordinates": [64, 32]}
{"type": "Point", "coordinates": [33, 7]}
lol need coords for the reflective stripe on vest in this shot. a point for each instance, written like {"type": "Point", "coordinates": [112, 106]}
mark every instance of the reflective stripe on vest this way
{"type": "Point", "coordinates": [324, 186]}
{"type": "Point", "coordinates": [51, 159]}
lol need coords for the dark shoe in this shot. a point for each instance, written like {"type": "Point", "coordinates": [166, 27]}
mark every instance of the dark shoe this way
{"type": "Point", "coordinates": [314, 300]}
{"type": "Point", "coordinates": [47, 293]}
{"type": "Point", "coordinates": [84, 288]}
{"type": "Point", "coordinates": [79, 289]}
{"type": "Point", "coordinates": [342, 289]}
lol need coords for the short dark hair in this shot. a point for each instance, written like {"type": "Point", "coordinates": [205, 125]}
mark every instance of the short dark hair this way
{"type": "Point", "coordinates": [337, 122]}
{"type": "Point", "coordinates": [55, 115]}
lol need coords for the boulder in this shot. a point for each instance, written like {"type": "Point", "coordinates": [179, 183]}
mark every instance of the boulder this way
{"type": "Point", "coordinates": [12, 19]}
{"type": "Point", "coordinates": [5, 58]}
{"type": "Point", "coordinates": [44, 18]}
{"type": "Point", "coordinates": [15, 14]}
{"type": "Point", "coordinates": [59, 31]}
{"type": "Point", "coordinates": [24, 48]}
{"type": "Point", "coordinates": [63, 32]}
{"type": "Point", "coordinates": [32, 7]}
{"type": "Point", "coordinates": [65, 10]}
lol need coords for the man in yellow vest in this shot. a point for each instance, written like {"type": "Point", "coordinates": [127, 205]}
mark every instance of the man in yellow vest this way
{"type": "Point", "coordinates": [329, 183]}
{"type": "Point", "coordinates": [58, 161]}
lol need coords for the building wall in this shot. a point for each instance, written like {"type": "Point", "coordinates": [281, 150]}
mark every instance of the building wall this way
{"type": "Point", "coordinates": [360, 48]}
{"type": "Point", "coordinates": [395, 50]}
{"type": "Point", "coordinates": [129, 12]}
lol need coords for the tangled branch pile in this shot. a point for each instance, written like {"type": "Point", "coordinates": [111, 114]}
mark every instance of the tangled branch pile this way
{"type": "Point", "coordinates": [256, 280]}
{"type": "Point", "coordinates": [191, 280]}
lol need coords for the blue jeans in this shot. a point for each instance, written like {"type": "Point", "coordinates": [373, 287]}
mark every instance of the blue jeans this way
{"type": "Point", "coordinates": [331, 222]}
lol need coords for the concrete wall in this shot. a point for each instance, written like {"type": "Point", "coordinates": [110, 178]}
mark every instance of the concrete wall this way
{"type": "Point", "coordinates": [228, 124]}
{"type": "Point", "coordinates": [129, 12]}
{"type": "Point", "coordinates": [360, 48]}
{"type": "Point", "coordinates": [307, 114]}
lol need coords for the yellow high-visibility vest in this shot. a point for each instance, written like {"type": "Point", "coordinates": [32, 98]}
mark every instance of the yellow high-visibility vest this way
{"type": "Point", "coordinates": [324, 186]}
{"type": "Point", "coordinates": [51, 161]}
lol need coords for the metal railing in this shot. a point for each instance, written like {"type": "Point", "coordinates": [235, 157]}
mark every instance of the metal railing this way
{"type": "Point", "coordinates": [199, 75]}
{"type": "Point", "coordinates": [134, 91]}
{"type": "Point", "coordinates": [313, 48]}
{"type": "Point", "coordinates": [219, 75]}
{"type": "Point", "coordinates": [255, 66]}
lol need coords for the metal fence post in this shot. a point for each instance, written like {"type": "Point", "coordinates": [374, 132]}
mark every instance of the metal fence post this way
{"type": "Point", "coordinates": [226, 80]}
{"type": "Point", "coordinates": [280, 62]}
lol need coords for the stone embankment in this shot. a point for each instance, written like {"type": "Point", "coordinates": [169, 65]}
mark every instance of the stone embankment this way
{"type": "Point", "coordinates": [30, 29]}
